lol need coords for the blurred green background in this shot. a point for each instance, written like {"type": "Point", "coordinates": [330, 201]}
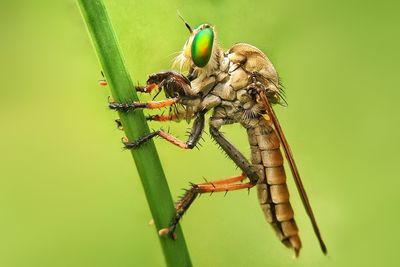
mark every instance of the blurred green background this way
{"type": "Point", "coordinates": [69, 195]}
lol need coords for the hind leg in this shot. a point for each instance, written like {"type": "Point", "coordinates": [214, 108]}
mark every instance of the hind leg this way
{"type": "Point", "coordinates": [224, 185]}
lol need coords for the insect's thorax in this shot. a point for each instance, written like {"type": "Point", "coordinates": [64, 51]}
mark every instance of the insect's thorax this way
{"type": "Point", "coordinates": [226, 90]}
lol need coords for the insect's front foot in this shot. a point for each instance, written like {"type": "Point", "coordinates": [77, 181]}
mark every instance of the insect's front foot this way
{"type": "Point", "coordinates": [119, 124]}
{"type": "Point", "coordinates": [174, 83]}
{"type": "Point", "coordinates": [170, 231]}
{"type": "Point", "coordinates": [138, 142]}
{"type": "Point", "coordinates": [125, 107]}
{"type": "Point", "coordinates": [102, 83]}
{"type": "Point", "coordinates": [139, 88]}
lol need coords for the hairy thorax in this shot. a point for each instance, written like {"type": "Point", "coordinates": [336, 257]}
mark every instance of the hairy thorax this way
{"type": "Point", "coordinates": [226, 85]}
{"type": "Point", "coordinates": [226, 89]}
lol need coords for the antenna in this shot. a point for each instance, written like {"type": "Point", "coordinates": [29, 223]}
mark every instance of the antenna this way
{"type": "Point", "coordinates": [186, 24]}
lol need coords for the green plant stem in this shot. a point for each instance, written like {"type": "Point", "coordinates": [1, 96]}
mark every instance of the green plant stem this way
{"type": "Point", "coordinates": [146, 157]}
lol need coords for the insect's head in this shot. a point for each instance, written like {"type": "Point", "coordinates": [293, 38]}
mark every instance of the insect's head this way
{"type": "Point", "coordinates": [199, 45]}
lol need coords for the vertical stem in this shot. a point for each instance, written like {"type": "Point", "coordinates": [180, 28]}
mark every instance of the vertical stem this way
{"type": "Point", "coordinates": [146, 157]}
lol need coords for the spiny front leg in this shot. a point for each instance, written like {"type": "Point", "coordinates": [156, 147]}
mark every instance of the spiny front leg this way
{"type": "Point", "coordinates": [175, 85]}
{"type": "Point", "coordinates": [161, 117]}
{"type": "Point", "coordinates": [139, 88]}
{"type": "Point", "coordinates": [126, 107]}
{"type": "Point", "coordinates": [195, 135]}
{"type": "Point", "coordinates": [225, 185]}
{"type": "Point", "coordinates": [165, 118]}
{"type": "Point", "coordinates": [156, 117]}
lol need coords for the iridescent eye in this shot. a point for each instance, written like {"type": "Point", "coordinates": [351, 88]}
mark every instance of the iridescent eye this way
{"type": "Point", "coordinates": [202, 47]}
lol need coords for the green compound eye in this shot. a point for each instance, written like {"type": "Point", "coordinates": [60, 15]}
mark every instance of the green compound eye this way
{"type": "Point", "coordinates": [202, 47]}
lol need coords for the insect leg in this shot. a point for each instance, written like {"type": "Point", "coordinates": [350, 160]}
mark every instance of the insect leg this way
{"type": "Point", "coordinates": [219, 186]}
{"type": "Point", "coordinates": [234, 154]}
{"type": "Point", "coordinates": [229, 180]}
{"type": "Point", "coordinates": [195, 134]}
{"type": "Point", "coordinates": [157, 117]}
{"type": "Point", "coordinates": [145, 89]}
{"type": "Point", "coordinates": [162, 118]}
{"type": "Point", "coordinates": [126, 107]}
{"type": "Point", "coordinates": [119, 124]}
{"type": "Point", "coordinates": [187, 199]}
{"type": "Point", "coordinates": [138, 88]}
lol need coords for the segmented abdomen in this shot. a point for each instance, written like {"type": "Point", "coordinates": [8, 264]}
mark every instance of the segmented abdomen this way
{"type": "Point", "coordinates": [272, 190]}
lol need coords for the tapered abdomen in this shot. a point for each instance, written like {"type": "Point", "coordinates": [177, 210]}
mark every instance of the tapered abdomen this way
{"type": "Point", "coordinates": [272, 190]}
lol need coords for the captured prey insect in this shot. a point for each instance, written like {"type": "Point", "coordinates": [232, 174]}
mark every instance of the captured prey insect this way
{"type": "Point", "coordinates": [237, 86]}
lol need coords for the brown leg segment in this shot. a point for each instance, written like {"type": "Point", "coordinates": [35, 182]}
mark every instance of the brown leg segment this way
{"type": "Point", "coordinates": [211, 188]}
{"type": "Point", "coordinates": [162, 118]}
{"type": "Point", "coordinates": [146, 89]}
{"type": "Point", "coordinates": [170, 138]}
{"type": "Point", "coordinates": [229, 180]}
{"type": "Point", "coordinates": [162, 103]}
{"type": "Point", "coordinates": [159, 118]}
{"type": "Point", "coordinates": [194, 136]}
{"type": "Point", "coordinates": [187, 199]}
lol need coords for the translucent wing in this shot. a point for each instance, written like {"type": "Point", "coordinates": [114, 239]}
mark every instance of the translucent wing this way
{"type": "Point", "coordinates": [293, 168]}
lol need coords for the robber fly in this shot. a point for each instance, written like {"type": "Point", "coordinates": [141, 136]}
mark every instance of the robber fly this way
{"type": "Point", "coordinates": [237, 86]}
